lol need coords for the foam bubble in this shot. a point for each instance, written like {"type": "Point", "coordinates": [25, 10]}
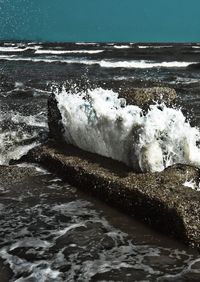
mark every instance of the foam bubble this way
{"type": "Point", "coordinates": [101, 123]}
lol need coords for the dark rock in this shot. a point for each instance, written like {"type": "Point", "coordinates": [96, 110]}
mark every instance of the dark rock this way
{"type": "Point", "coordinates": [10, 175]}
{"type": "Point", "coordinates": [159, 199]}
{"type": "Point", "coordinates": [5, 271]}
{"type": "Point", "coordinates": [54, 120]}
{"type": "Point", "coordinates": [143, 97]}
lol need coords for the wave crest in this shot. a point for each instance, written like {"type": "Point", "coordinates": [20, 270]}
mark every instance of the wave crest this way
{"type": "Point", "coordinates": [100, 122]}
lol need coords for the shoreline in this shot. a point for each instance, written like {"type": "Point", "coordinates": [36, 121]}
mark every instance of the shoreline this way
{"type": "Point", "coordinates": [157, 199]}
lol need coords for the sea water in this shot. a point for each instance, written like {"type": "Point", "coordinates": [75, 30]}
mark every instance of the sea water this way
{"type": "Point", "coordinates": [51, 231]}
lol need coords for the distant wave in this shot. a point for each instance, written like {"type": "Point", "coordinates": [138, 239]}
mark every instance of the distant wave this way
{"type": "Point", "coordinates": [34, 60]}
{"type": "Point", "coordinates": [57, 52]}
{"type": "Point", "coordinates": [155, 47]}
{"type": "Point", "coordinates": [121, 46]}
{"type": "Point", "coordinates": [141, 64]}
{"type": "Point", "coordinates": [123, 77]}
{"type": "Point", "coordinates": [12, 49]}
{"type": "Point", "coordinates": [184, 80]}
{"type": "Point", "coordinates": [9, 44]}
{"type": "Point", "coordinates": [16, 49]}
{"type": "Point", "coordinates": [86, 43]}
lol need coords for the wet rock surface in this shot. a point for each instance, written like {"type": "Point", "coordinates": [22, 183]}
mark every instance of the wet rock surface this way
{"type": "Point", "coordinates": [143, 97]}
{"type": "Point", "coordinates": [54, 120]}
{"type": "Point", "coordinates": [159, 199]}
{"type": "Point", "coordinates": [11, 175]}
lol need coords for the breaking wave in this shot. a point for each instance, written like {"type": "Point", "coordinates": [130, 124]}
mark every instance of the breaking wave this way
{"type": "Point", "coordinates": [121, 46]}
{"type": "Point", "coordinates": [16, 49]}
{"type": "Point", "coordinates": [140, 64]}
{"type": "Point", "coordinates": [60, 52]}
{"type": "Point", "coordinates": [100, 122]}
{"type": "Point", "coordinates": [19, 134]}
{"type": "Point", "coordinates": [154, 47]}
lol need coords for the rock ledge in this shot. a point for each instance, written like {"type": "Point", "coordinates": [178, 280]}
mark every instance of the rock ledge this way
{"type": "Point", "coordinates": [159, 199]}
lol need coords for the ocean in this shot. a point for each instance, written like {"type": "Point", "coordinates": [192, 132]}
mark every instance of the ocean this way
{"type": "Point", "coordinates": [51, 231]}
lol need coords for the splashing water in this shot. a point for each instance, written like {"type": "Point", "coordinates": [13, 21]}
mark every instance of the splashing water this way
{"type": "Point", "coordinates": [19, 134]}
{"type": "Point", "coordinates": [100, 122]}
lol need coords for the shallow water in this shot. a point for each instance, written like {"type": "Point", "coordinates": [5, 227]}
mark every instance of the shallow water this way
{"type": "Point", "coordinates": [51, 231]}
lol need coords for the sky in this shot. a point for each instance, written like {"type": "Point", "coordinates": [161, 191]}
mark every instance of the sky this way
{"type": "Point", "coordinates": [100, 20]}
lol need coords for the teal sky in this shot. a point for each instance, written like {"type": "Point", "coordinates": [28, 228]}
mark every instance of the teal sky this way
{"type": "Point", "coordinates": [101, 20]}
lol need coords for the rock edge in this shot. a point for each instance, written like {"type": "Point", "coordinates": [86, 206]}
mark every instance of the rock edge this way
{"type": "Point", "coordinates": [159, 199]}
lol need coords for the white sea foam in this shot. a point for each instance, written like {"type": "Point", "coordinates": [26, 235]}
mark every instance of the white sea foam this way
{"type": "Point", "coordinates": [103, 124]}
{"type": "Point", "coordinates": [26, 59]}
{"type": "Point", "coordinates": [140, 64]}
{"type": "Point", "coordinates": [190, 184]}
{"type": "Point", "coordinates": [16, 141]}
{"type": "Point", "coordinates": [9, 44]}
{"type": "Point", "coordinates": [30, 120]}
{"type": "Point", "coordinates": [12, 49]}
{"type": "Point", "coordinates": [86, 43]}
{"type": "Point", "coordinates": [16, 49]}
{"type": "Point", "coordinates": [184, 80]}
{"type": "Point", "coordinates": [15, 153]}
{"type": "Point", "coordinates": [143, 47]}
{"type": "Point", "coordinates": [60, 52]}
{"type": "Point", "coordinates": [121, 46]}
{"type": "Point", "coordinates": [37, 167]}
{"type": "Point", "coordinates": [155, 47]}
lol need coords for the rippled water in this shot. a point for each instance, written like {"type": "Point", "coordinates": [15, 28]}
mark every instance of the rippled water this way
{"type": "Point", "coordinates": [51, 231]}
